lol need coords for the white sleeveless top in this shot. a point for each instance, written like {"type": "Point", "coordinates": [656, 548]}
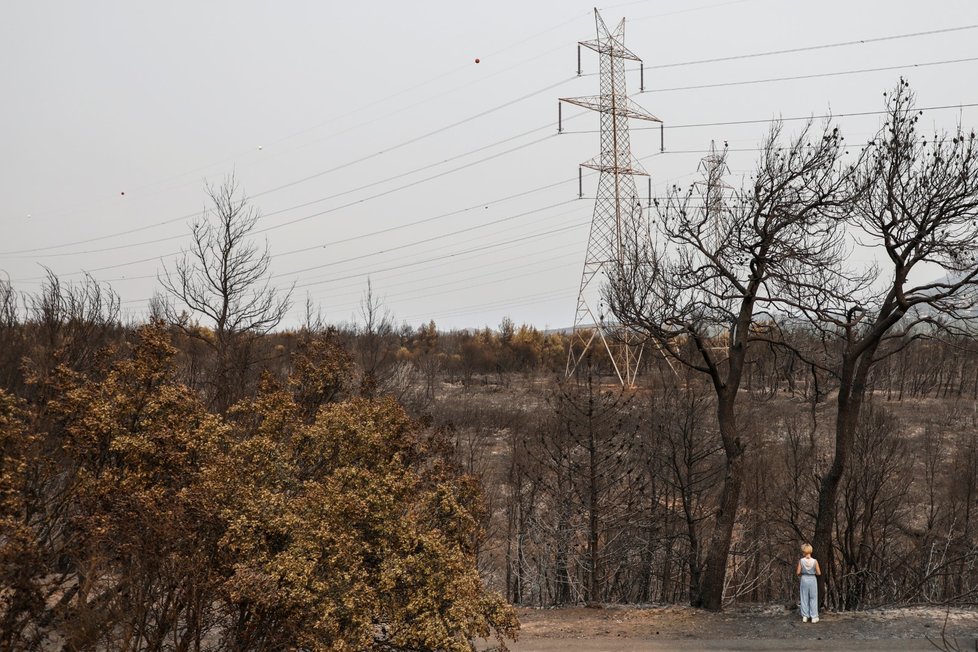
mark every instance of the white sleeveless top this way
{"type": "Point", "coordinates": [807, 566]}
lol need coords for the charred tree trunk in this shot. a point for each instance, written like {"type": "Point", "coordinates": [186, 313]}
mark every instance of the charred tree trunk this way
{"type": "Point", "coordinates": [852, 391]}
{"type": "Point", "coordinates": [715, 568]}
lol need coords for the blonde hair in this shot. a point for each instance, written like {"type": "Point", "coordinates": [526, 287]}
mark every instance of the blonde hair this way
{"type": "Point", "coordinates": [806, 548]}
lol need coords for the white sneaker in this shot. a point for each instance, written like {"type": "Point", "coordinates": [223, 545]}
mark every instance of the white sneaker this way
{"type": "Point", "coordinates": [815, 619]}
{"type": "Point", "coordinates": [804, 619]}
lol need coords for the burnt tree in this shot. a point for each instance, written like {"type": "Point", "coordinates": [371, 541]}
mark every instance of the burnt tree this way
{"type": "Point", "coordinates": [704, 296]}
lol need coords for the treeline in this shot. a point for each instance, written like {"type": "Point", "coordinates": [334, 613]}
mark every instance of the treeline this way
{"type": "Point", "coordinates": [588, 493]}
{"type": "Point", "coordinates": [601, 494]}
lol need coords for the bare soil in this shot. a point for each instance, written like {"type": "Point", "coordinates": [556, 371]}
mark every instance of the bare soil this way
{"type": "Point", "coordinates": [744, 628]}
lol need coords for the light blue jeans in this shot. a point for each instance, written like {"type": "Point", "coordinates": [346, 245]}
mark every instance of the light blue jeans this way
{"type": "Point", "coordinates": [809, 596]}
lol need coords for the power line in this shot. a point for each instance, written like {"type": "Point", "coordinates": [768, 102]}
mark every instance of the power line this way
{"type": "Point", "coordinates": [825, 116]}
{"type": "Point", "coordinates": [304, 179]}
{"type": "Point", "coordinates": [430, 80]}
{"type": "Point", "coordinates": [425, 240]}
{"type": "Point", "coordinates": [153, 276]}
{"type": "Point", "coordinates": [456, 157]}
{"type": "Point", "coordinates": [402, 187]}
{"type": "Point", "coordinates": [809, 48]}
{"type": "Point", "coordinates": [503, 243]}
{"type": "Point", "coordinates": [710, 124]}
{"type": "Point", "coordinates": [467, 285]}
{"type": "Point", "coordinates": [381, 100]}
{"type": "Point", "coordinates": [328, 244]}
{"type": "Point", "coordinates": [465, 282]}
{"type": "Point", "coordinates": [441, 216]}
{"type": "Point", "coordinates": [101, 237]}
{"type": "Point", "coordinates": [811, 76]}
{"type": "Point", "coordinates": [361, 108]}
{"type": "Point", "coordinates": [451, 213]}
{"type": "Point", "coordinates": [524, 300]}
{"type": "Point", "coordinates": [401, 281]}
{"type": "Point", "coordinates": [340, 194]}
{"type": "Point", "coordinates": [373, 272]}
{"type": "Point", "coordinates": [305, 249]}
{"type": "Point", "coordinates": [659, 66]}
{"type": "Point", "coordinates": [451, 248]}
{"type": "Point", "coordinates": [456, 212]}
{"type": "Point", "coordinates": [381, 231]}
{"type": "Point", "coordinates": [376, 102]}
{"type": "Point", "coordinates": [410, 141]}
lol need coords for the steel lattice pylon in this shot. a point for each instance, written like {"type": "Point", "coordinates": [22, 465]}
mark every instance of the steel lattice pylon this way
{"type": "Point", "coordinates": [711, 187]}
{"type": "Point", "coordinates": [618, 219]}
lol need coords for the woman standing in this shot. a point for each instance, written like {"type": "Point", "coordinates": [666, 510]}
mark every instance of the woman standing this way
{"type": "Point", "coordinates": [808, 570]}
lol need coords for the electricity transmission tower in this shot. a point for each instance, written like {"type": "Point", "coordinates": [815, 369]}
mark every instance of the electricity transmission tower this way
{"type": "Point", "coordinates": [617, 223]}
{"type": "Point", "coordinates": [711, 187]}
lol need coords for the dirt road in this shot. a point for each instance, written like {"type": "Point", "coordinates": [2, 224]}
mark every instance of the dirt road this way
{"type": "Point", "coordinates": [742, 645]}
{"type": "Point", "coordinates": [653, 629]}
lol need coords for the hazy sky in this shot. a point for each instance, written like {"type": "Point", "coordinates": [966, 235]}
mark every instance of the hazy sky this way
{"type": "Point", "coordinates": [373, 143]}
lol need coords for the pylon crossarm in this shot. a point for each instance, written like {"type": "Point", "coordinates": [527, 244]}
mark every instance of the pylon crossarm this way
{"type": "Point", "coordinates": [620, 106]}
{"type": "Point", "coordinates": [635, 169]}
{"type": "Point", "coordinates": [610, 47]}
